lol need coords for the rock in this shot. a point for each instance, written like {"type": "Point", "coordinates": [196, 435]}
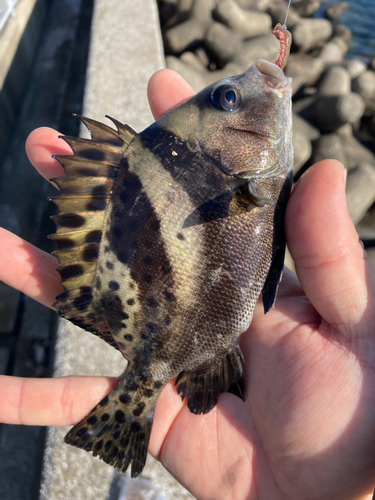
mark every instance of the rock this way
{"type": "Point", "coordinates": [303, 126]}
{"type": "Point", "coordinates": [335, 11]}
{"type": "Point", "coordinates": [223, 43]}
{"type": "Point", "coordinates": [331, 53]}
{"type": "Point", "coordinates": [195, 78]}
{"type": "Point", "coordinates": [335, 81]}
{"type": "Point", "coordinates": [364, 85]}
{"type": "Point", "coordinates": [302, 149]}
{"type": "Point", "coordinates": [307, 8]}
{"type": "Point", "coordinates": [264, 47]}
{"type": "Point", "coordinates": [355, 67]}
{"type": "Point", "coordinates": [193, 61]}
{"type": "Point", "coordinates": [190, 32]}
{"type": "Point", "coordinates": [328, 146]}
{"type": "Point", "coordinates": [332, 111]}
{"type": "Point", "coordinates": [354, 151]}
{"type": "Point", "coordinates": [304, 70]}
{"type": "Point", "coordinates": [360, 190]}
{"type": "Point", "coordinates": [342, 31]}
{"type": "Point", "coordinates": [244, 22]}
{"type": "Point", "coordinates": [311, 33]}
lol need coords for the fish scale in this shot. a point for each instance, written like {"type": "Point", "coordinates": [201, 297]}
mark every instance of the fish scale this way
{"type": "Point", "coordinates": [165, 241]}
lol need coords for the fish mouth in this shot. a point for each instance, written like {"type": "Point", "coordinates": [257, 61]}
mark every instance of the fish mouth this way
{"type": "Point", "coordinates": [272, 71]}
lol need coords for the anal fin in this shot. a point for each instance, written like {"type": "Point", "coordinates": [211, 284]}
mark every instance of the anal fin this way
{"type": "Point", "coordinates": [203, 389]}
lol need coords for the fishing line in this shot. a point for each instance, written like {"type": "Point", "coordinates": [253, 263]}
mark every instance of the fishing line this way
{"type": "Point", "coordinates": [286, 15]}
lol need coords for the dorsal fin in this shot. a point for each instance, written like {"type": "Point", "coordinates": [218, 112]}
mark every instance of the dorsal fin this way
{"type": "Point", "coordinates": [84, 194]}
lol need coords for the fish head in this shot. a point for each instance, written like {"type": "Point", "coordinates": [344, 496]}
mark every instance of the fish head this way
{"type": "Point", "coordinates": [243, 123]}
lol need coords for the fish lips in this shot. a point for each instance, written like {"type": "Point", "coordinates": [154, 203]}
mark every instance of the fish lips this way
{"type": "Point", "coordinates": [274, 78]}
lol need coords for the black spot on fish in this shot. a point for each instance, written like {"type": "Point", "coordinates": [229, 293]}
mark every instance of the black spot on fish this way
{"type": "Point", "coordinates": [104, 417]}
{"type": "Point", "coordinates": [121, 456]}
{"type": "Point", "coordinates": [112, 302]}
{"type": "Point", "coordinates": [167, 321]}
{"type": "Point", "coordinates": [114, 452]}
{"type": "Point", "coordinates": [131, 286]}
{"type": "Point", "coordinates": [63, 243]}
{"type": "Point", "coordinates": [92, 420]}
{"type": "Point", "coordinates": [120, 416]}
{"type": "Point", "coordinates": [166, 267]}
{"type": "Point", "coordinates": [123, 325]}
{"type": "Point", "coordinates": [158, 384]}
{"type": "Point", "coordinates": [113, 285]}
{"type": "Point", "coordinates": [99, 190]}
{"type": "Point", "coordinates": [180, 236]}
{"type": "Point", "coordinates": [125, 398]}
{"type": "Point", "coordinates": [148, 244]}
{"type": "Point", "coordinates": [131, 385]}
{"type": "Point", "coordinates": [81, 432]}
{"type": "Point", "coordinates": [130, 302]}
{"type": "Point", "coordinates": [88, 446]}
{"type": "Point", "coordinates": [71, 220]}
{"type": "Point", "coordinates": [108, 444]}
{"type": "Point", "coordinates": [128, 337]}
{"type": "Point", "coordinates": [106, 249]}
{"type": "Point", "coordinates": [124, 442]}
{"type": "Point", "coordinates": [98, 445]}
{"type": "Point", "coordinates": [151, 327]}
{"type": "Point", "coordinates": [96, 204]}
{"type": "Point", "coordinates": [90, 253]}
{"type": "Point", "coordinates": [94, 236]}
{"type": "Point", "coordinates": [169, 296]}
{"type": "Point", "coordinates": [144, 336]}
{"type": "Point", "coordinates": [152, 302]}
{"type": "Point", "coordinates": [116, 435]}
{"type": "Point", "coordinates": [104, 401]}
{"type": "Point", "coordinates": [147, 278]}
{"type": "Point", "coordinates": [71, 271]}
{"type": "Point", "coordinates": [100, 268]}
{"type": "Point", "coordinates": [135, 427]}
{"type": "Point", "coordinates": [93, 154]}
{"type": "Point", "coordinates": [98, 284]}
{"type": "Point", "coordinates": [139, 409]}
{"type": "Point", "coordinates": [109, 264]}
{"type": "Point", "coordinates": [148, 393]}
{"type": "Point", "coordinates": [122, 257]}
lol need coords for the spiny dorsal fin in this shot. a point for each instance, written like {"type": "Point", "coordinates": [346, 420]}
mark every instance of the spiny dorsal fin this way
{"type": "Point", "coordinates": [203, 388]}
{"type": "Point", "coordinates": [85, 192]}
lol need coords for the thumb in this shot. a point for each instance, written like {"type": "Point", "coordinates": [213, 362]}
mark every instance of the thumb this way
{"type": "Point", "coordinates": [329, 258]}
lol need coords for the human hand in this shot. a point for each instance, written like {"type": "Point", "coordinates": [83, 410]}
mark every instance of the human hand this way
{"type": "Point", "coordinates": [307, 426]}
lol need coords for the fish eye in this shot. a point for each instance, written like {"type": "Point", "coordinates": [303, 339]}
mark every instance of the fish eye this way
{"type": "Point", "coordinates": [225, 98]}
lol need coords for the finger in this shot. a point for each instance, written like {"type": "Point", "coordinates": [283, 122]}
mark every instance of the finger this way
{"type": "Point", "coordinates": [28, 269]}
{"type": "Point", "coordinates": [58, 401]}
{"type": "Point", "coordinates": [41, 144]}
{"type": "Point", "coordinates": [166, 90]}
{"type": "Point", "coordinates": [323, 241]}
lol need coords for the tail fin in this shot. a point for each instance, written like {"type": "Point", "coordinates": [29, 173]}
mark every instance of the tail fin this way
{"type": "Point", "coordinates": [117, 430]}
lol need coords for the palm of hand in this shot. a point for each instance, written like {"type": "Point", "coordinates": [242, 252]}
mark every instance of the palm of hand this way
{"type": "Point", "coordinates": [306, 428]}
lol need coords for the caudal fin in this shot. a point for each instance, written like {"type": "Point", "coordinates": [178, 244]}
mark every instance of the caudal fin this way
{"type": "Point", "coordinates": [117, 430]}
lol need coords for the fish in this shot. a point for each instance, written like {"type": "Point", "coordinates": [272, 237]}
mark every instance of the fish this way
{"type": "Point", "coordinates": [165, 241]}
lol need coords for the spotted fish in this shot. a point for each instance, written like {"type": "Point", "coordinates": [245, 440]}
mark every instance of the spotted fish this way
{"type": "Point", "coordinates": [165, 241]}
